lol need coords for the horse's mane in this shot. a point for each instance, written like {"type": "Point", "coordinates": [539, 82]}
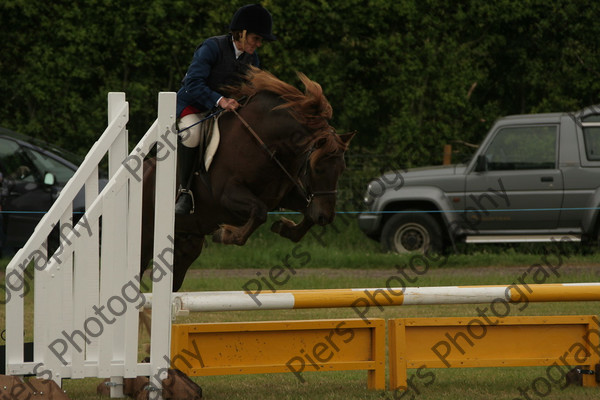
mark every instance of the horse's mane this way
{"type": "Point", "coordinates": [311, 108]}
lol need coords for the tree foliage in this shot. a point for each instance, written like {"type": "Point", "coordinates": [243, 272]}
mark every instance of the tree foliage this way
{"type": "Point", "coordinates": [408, 75]}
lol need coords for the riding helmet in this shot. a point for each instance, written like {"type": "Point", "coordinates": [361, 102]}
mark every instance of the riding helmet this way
{"type": "Point", "coordinates": [253, 18]}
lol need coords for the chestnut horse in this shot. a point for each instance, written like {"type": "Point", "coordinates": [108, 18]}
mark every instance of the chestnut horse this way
{"type": "Point", "coordinates": [276, 151]}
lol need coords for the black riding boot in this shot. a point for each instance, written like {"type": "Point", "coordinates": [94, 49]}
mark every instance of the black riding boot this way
{"type": "Point", "coordinates": [186, 158]}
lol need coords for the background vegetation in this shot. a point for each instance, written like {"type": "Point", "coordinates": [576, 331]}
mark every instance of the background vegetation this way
{"type": "Point", "coordinates": [408, 75]}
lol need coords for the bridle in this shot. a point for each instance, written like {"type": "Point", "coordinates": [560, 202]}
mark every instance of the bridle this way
{"type": "Point", "coordinates": [306, 192]}
{"type": "Point", "coordinates": [310, 194]}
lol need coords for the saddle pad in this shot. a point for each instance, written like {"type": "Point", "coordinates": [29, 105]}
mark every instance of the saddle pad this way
{"type": "Point", "coordinates": [213, 144]}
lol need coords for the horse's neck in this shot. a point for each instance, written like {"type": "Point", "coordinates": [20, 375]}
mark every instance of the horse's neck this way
{"type": "Point", "coordinates": [280, 132]}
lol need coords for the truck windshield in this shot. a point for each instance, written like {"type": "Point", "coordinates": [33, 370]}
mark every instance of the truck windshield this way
{"type": "Point", "coordinates": [526, 147]}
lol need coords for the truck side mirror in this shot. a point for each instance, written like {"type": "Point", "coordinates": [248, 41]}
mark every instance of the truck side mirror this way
{"type": "Point", "coordinates": [481, 164]}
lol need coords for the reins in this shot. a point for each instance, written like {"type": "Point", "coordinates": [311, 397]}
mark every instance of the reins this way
{"type": "Point", "coordinates": [271, 154]}
{"type": "Point", "coordinates": [308, 195]}
{"type": "Point", "coordinates": [212, 115]}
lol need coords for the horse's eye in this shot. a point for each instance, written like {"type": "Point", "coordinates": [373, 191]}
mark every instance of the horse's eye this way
{"type": "Point", "coordinates": [320, 143]}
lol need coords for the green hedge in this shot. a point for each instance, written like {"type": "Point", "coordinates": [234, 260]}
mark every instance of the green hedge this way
{"type": "Point", "coordinates": [408, 75]}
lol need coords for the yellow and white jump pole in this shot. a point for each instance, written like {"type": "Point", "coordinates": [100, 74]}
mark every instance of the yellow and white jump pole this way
{"type": "Point", "coordinates": [186, 302]}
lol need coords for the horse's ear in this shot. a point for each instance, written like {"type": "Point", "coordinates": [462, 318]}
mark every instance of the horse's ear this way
{"type": "Point", "coordinates": [346, 137]}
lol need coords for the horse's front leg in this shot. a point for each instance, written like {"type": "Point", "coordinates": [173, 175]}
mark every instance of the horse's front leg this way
{"type": "Point", "coordinates": [241, 202]}
{"type": "Point", "coordinates": [288, 229]}
{"type": "Point", "coordinates": [229, 234]}
{"type": "Point", "coordinates": [188, 247]}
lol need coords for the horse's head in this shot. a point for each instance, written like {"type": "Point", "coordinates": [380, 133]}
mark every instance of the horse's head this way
{"type": "Point", "coordinates": [325, 166]}
{"type": "Point", "coordinates": [307, 113]}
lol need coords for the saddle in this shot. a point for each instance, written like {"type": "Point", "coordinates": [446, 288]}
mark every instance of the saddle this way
{"type": "Point", "coordinates": [209, 142]}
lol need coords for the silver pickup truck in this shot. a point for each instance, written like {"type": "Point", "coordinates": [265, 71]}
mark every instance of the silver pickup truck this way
{"type": "Point", "coordinates": [534, 178]}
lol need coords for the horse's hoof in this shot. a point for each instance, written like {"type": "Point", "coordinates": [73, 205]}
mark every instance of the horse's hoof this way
{"type": "Point", "coordinates": [217, 236]}
{"type": "Point", "coordinates": [225, 236]}
{"type": "Point", "coordinates": [276, 227]}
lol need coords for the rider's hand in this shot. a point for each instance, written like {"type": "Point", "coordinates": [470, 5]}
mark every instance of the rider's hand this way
{"type": "Point", "coordinates": [228, 104]}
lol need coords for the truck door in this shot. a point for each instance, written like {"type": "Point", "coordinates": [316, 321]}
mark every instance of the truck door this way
{"type": "Point", "coordinates": [515, 183]}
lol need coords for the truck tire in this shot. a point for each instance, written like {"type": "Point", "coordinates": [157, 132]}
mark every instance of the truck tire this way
{"type": "Point", "coordinates": [412, 232]}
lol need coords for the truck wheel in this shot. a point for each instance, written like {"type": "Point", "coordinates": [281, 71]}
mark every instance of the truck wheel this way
{"type": "Point", "coordinates": [404, 233]}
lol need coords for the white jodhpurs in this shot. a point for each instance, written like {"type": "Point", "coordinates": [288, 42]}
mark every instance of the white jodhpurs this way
{"type": "Point", "coordinates": [190, 137]}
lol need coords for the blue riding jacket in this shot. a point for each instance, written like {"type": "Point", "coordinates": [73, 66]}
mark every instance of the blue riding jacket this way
{"type": "Point", "coordinates": [213, 66]}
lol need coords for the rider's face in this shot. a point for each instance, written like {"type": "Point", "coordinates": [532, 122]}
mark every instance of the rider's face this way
{"type": "Point", "coordinates": [253, 41]}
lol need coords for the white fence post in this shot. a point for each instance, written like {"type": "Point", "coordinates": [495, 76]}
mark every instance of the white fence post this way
{"type": "Point", "coordinates": [160, 349]}
{"type": "Point", "coordinates": [82, 277]}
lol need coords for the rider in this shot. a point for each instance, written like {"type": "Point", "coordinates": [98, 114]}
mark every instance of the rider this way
{"type": "Point", "coordinates": [219, 61]}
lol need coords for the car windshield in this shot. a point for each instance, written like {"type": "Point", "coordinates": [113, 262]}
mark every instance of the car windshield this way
{"type": "Point", "coordinates": [14, 164]}
{"type": "Point", "coordinates": [463, 152]}
{"type": "Point", "coordinates": [43, 163]}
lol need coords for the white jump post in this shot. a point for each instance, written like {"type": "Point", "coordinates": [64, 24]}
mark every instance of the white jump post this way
{"type": "Point", "coordinates": [164, 221]}
{"type": "Point", "coordinates": [85, 315]}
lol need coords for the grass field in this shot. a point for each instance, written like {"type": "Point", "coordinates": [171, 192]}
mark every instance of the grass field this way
{"type": "Point", "coordinates": [340, 257]}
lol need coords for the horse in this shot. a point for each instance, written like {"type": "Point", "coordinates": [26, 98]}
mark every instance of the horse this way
{"type": "Point", "coordinates": [276, 151]}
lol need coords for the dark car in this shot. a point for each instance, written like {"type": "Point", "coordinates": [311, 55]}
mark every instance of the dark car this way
{"type": "Point", "coordinates": [32, 178]}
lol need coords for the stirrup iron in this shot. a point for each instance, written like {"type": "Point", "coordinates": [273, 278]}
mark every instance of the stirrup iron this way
{"type": "Point", "coordinates": [191, 194]}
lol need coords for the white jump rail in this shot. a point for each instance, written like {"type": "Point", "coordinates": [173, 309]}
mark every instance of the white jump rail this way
{"type": "Point", "coordinates": [83, 326]}
{"type": "Point", "coordinates": [186, 302]}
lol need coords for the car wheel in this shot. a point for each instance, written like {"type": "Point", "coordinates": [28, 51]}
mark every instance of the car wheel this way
{"type": "Point", "coordinates": [418, 232]}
